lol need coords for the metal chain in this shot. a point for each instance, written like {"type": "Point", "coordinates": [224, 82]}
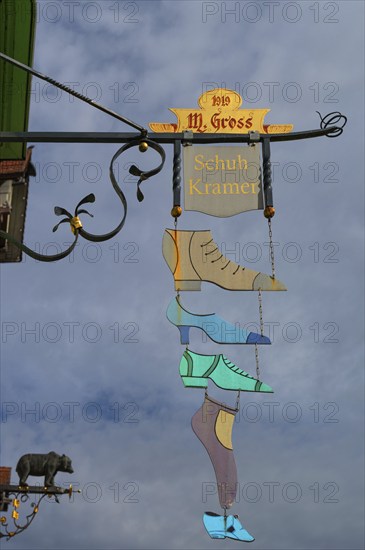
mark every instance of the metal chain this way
{"type": "Point", "coordinates": [238, 399]}
{"type": "Point", "coordinates": [260, 312]}
{"type": "Point", "coordinates": [272, 259]}
{"type": "Point", "coordinates": [257, 362]}
{"type": "Point", "coordinates": [261, 332]}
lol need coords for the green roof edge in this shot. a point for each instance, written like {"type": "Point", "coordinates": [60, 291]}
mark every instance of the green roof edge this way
{"type": "Point", "coordinates": [17, 37]}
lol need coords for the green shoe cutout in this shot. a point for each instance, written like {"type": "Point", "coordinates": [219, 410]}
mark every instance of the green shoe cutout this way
{"type": "Point", "coordinates": [195, 369]}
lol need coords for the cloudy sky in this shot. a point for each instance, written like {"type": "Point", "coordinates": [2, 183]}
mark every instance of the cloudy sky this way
{"type": "Point", "coordinates": [90, 364]}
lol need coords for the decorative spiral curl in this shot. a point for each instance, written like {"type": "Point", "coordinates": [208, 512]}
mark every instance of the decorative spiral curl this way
{"type": "Point", "coordinates": [74, 220]}
{"type": "Point", "coordinates": [331, 121]}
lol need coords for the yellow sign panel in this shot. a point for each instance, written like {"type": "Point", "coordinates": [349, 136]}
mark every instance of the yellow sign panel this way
{"type": "Point", "coordinates": [222, 181]}
{"type": "Point", "coordinates": [220, 113]}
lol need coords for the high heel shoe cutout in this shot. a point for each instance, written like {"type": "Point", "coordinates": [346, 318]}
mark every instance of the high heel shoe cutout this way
{"type": "Point", "coordinates": [216, 328]}
{"type": "Point", "coordinates": [193, 257]}
{"type": "Point", "coordinates": [195, 369]}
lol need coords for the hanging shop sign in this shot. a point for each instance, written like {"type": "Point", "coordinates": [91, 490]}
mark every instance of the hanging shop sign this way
{"type": "Point", "coordinates": [220, 113]}
{"type": "Point", "coordinates": [222, 181]}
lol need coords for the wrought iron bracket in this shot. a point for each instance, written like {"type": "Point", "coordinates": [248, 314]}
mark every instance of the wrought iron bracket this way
{"type": "Point", "coordinates": [74, 220]}
{"type": "Point", "coordinates": [331, 125]}
{"type": "Point", "coordinates": [177, 139]}
{"type": "Point", "coordinates": [9, 527]}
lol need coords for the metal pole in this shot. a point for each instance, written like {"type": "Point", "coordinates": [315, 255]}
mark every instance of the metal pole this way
{"type": "Point", "coordinates": [176, 179]}
{"type": "Point", "coordinates": [71, 92]}
{"type": "Point", "coordinates": [266, 163]}
{"type": "Point", "coordinates": [159, 137]}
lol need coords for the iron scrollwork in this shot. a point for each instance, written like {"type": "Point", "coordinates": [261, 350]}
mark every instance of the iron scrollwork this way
{"type": "Point", "coordinates": [331, 125]}
{"type": "Point", "coordinates": [334, 122]}
{"type": "Point", "coordinates": [143, 143]}
{"type": "Point", "coordinates": [9, 527]}
{"type": "Point", "coordinates": [19, 525]}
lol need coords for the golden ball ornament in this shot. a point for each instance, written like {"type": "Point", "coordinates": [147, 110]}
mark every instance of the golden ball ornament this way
{"type": "Point", "coordinates": [176, 211]}
{"type": "Point", "coordinates": [269, 212]}
{"type": "Point", "coordinates": [143, 146]}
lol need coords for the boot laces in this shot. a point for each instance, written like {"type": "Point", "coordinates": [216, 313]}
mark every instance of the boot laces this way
{"type": "Point", "coordinates": [236, 369]}
{"type": "Point", "coordinates": [220, 257]}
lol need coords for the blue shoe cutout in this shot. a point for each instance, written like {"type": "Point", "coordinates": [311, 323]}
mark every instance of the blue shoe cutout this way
{"type": "Point", "coordinates": [216, 328]}
{"type": "Point", "coordinates": [220, 527]}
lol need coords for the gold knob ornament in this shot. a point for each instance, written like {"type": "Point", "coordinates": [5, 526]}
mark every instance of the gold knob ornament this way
{"type": "Point", "coordinates": [176, 211]}
{"type": "Point", "coordinates": [269, 212]}
{"type": "Point", "coordinates": [143, 146]}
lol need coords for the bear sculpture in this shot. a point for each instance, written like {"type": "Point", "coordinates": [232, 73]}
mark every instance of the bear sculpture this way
{"type": "Point", "coordinates": [46, 465]}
